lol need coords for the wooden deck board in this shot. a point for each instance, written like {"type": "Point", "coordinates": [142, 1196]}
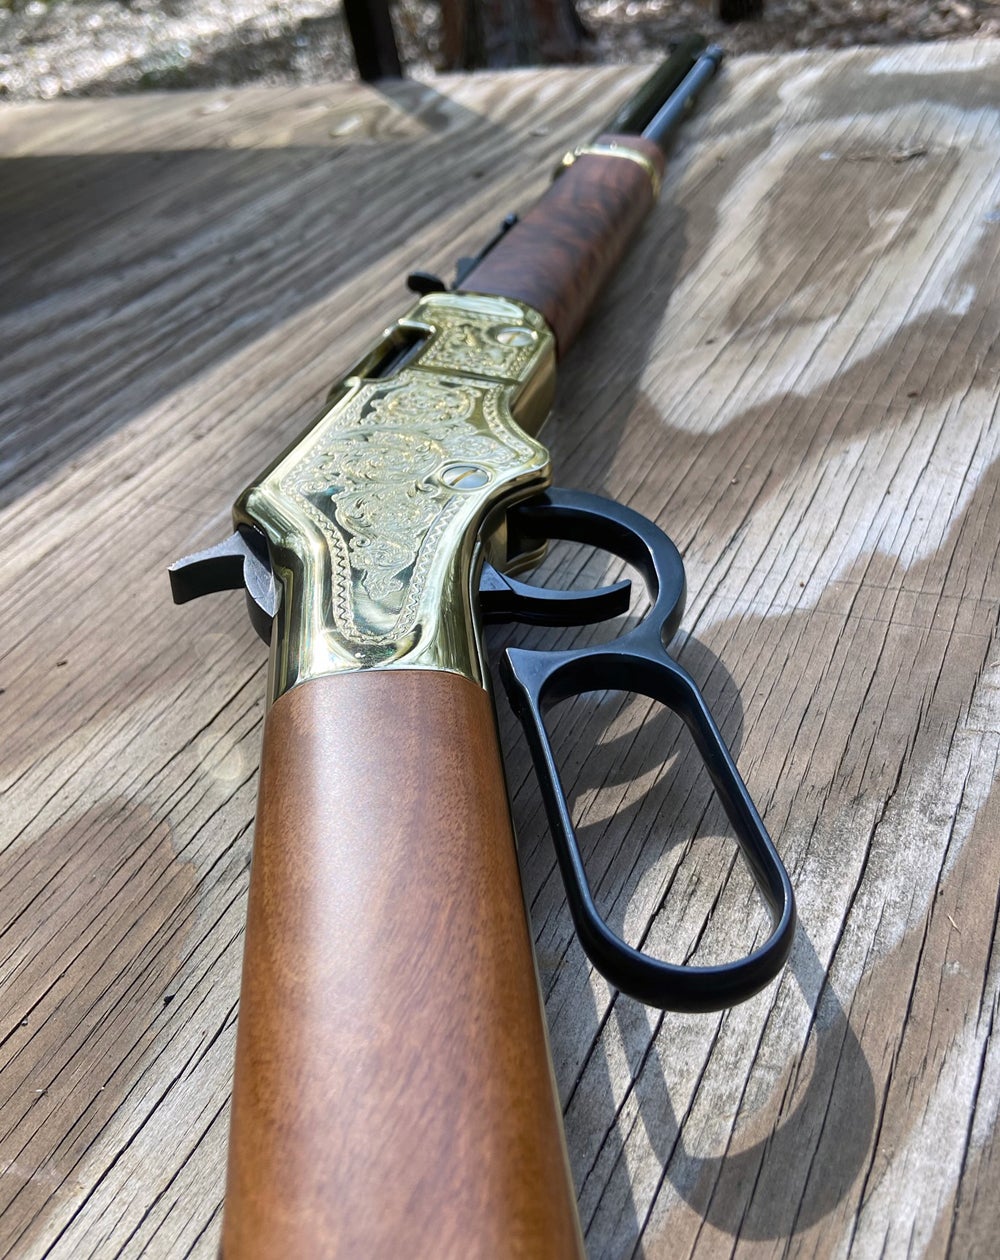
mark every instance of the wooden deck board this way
{"type": "Point", "coordinates": [796, 373]}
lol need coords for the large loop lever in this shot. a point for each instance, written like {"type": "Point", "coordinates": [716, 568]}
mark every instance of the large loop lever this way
{"type": "Point", "coordinates": [638, 662]}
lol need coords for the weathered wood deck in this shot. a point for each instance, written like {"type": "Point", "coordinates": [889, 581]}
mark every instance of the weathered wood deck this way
{"type": "Point", "coordinates": [796, 373]}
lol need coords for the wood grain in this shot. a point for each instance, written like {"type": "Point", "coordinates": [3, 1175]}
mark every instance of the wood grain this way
{"type": "Point", "coordinates": [393, 1091]}
{"type": "Point", "coordinates": [563, 251]}
{"type": "Point", "coordinates": [795, 372]}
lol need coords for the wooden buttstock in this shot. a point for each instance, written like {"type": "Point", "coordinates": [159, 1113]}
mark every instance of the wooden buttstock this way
{"type": "Point", "coordinates": [561, 253]}
{"type": "Point", "coordinates": [393, 1092]}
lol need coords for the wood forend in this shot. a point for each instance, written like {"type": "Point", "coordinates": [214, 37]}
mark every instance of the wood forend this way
{"type": "Point", "coordinates": [564, 249]}
{"type": "Point", "coordinates": [393, 1092]}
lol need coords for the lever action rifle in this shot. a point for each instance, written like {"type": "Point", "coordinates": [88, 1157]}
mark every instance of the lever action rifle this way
{"type": "Point", "coordinates": [393, 1090]}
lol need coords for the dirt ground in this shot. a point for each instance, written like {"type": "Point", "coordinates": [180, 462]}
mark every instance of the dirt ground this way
{"type": "Point", "coordinates": [99, 47]}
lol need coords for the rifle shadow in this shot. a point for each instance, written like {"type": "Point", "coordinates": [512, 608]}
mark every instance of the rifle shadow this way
{"type": "Point", "coordinates": [651, 854]}
{"type": "Point", "coordinates": [786, 1181]}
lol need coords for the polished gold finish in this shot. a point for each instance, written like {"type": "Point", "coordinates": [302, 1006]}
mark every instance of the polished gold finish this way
{"type": "Point", "coordinates": [377, 517]}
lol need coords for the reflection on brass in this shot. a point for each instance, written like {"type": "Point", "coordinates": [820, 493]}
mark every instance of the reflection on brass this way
{"type": "Point", "coordinates": [618, 149]}
{"type": "Point", "coordinates": [378, 516]}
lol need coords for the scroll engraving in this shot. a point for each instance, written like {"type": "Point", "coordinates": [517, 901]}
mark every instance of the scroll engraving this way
{"type": "Point", "coordinates": [379, 505]}
{"type": "Point", "coordinates": [373, 487]}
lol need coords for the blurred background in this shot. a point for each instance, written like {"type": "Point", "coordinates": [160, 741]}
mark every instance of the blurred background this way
{"type": "Point", "coordinates": [51, 48]}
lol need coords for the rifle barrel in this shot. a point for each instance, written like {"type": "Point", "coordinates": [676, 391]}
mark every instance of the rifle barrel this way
{"type": "Point", "coordinates": [642, 107]}
{"type": "Point", "coordinates": [561, 253]}
{"type": "Point", "coordinates": [664, 124]}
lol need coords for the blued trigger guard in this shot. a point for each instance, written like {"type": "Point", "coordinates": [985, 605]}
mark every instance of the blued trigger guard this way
{"type": "Point", "coordinates": [638, 662]}
{"type": "Point", "coordinates": [576, 516]}
{"type": "Point", "coordinates": [503, 598]}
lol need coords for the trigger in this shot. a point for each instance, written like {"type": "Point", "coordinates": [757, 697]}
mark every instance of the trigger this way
{"type": "Point", "coordinates": [505, 599]}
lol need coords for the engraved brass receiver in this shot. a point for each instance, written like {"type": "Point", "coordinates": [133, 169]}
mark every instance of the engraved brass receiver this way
{"type": "Point", "coordinates": [373, 518]}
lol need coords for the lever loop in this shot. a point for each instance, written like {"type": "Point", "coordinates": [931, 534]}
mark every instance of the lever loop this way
{"type": "Point", "coordinates": [638, 662]}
